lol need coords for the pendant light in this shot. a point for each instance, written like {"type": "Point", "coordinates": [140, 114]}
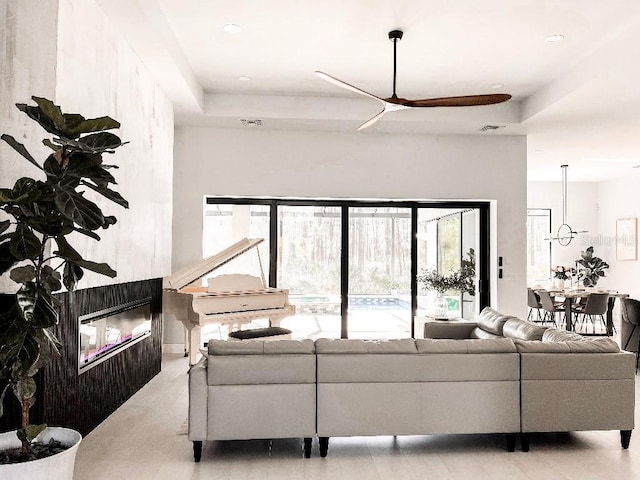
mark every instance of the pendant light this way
{"type": "Point", "coordinates": [565, 232]}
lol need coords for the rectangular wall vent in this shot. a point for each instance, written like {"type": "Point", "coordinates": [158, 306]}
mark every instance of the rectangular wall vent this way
{"type": "Point", "coordinates": [251, 122]}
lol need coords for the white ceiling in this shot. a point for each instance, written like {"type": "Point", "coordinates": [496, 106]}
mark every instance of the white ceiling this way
{"type": "Point", "coordinates": [578, 101]}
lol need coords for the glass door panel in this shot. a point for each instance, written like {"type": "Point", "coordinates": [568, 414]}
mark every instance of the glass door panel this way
{"type": "Point", "coordinates": [379, 272]}
{"type": "Point", "coordinates": [309, 248]}
{"type": "Point", "coordinates": [442, 235]}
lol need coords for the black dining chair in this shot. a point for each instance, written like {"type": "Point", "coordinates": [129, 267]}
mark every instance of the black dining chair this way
{"type": "Point", "coordinates": [533, 302]}
{"type": "Point", "coordinates": [595, 307]}
{"type": "Point", "coordinates": [549, 306]}
{"type": "Point", "coordinates": [630, 327]}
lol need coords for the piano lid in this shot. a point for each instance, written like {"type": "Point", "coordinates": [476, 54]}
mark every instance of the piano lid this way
{"type": "Point", "coordinates": [198, 270]}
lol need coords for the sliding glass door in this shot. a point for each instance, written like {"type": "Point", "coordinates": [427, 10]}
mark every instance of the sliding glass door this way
{"type": "Point", "coordinates": [351, 266]}
{"type": "Point", "coordinates": [379, 272]}
{"type": "Point", "coordinates": [309, 252]}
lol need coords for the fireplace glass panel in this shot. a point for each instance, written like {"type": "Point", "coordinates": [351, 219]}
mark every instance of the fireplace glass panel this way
{"type": "Point", "coordinates": [105, 332]}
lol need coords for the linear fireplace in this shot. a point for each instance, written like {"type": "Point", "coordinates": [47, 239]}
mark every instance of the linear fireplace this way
{"type": "Point", "coordinates": [104, 333]}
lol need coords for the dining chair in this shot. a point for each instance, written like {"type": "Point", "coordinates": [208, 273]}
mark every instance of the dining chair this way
{"type": "Point", "coordinates": [533, 302]}
{"type": "Point", "coordinates": [594, 307]}
{"type": "Point", "coordinates": [630, 313]}
{"type": "Point", "coordinates": [549, 306]}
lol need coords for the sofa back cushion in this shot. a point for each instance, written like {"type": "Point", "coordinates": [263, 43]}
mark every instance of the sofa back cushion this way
{"type": "Point", "coordinates": [599, 345]}
{"type": "Point", "coordinates": [444, 346]}
{"type": "Point", "coordinates": [261, 347]}
{"type": "Point", "coordinates": [479, 333]}
{"type": "Point", "coordinates": [492, 321]}
{"type": "Point", "coordinates": [555, 335]}
{"type": "Point", "coordinates": [348, 346]}
{"type": "Point", "coordinates": [519, 329]}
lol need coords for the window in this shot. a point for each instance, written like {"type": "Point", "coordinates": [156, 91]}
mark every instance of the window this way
{"type": "Point", "coordinates": [350, 266]}
{"type": "Point", "coordinates": [538, 249]}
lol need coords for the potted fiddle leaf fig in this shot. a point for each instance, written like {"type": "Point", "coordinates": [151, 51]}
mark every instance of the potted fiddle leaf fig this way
{"type": "Point", "coordinates": [590, 268]}
{"type": "Point", "coordinates": [40, 214]}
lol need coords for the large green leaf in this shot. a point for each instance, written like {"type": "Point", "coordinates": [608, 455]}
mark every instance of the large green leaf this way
{"type": "Point", "coordinates": [94, 143]}
{"type": "Point", "coordinates": [65, 250]}
{"type": "Point", "coordinates": [110, 194]}
{"type": "Point", "coordinates": [44, 313]}
{"type": "Point", "coordinates": [23, 274]}
{"type": "Point", "coordinates": [94, 125]}
{"type": "Point", "coordinates": [89, 166]}
{"type": "Point", "coordinates": [20, 148]}
{"type": "Point", "coordinates": [77, 208]}
{"type": "Point", "coordinates": [39, 116]}
{"type": "Point", "coordinates": [72, 275]}
{"type": "Point", "coordinates": [50, 279]}
{"type": "Point", "coordinates": [101, 268]}
{"type": "Point", "coordinates": [24, 244]}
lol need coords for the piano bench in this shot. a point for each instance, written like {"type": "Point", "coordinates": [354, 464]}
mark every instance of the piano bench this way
{"type": "Point", "coordinates": [259, 333]}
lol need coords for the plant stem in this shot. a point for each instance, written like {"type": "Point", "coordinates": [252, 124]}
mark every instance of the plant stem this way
{"type": "Point", "coordinates": [25, 422]}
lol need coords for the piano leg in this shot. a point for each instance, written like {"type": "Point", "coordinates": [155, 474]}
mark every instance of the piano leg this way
{"type": "Point", "coordinates": [194, 344]}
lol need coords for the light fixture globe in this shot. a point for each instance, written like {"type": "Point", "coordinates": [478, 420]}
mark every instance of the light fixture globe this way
{"type": "Point", "coordinates": [565, 232]}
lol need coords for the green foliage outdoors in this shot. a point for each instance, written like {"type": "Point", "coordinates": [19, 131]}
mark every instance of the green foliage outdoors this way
{"type": "Point", "coordinates": [33, 241]}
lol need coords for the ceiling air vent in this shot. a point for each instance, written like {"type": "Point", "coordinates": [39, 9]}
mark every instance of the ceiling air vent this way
{"type": "Point", "coordinates": [251, 122]}
{"type": "Point", "coordinates": [488, 128]}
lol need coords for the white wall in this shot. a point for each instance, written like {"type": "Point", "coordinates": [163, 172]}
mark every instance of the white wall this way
{"type": "Point", "coordinates": [211, 161]}
{"type": "Point", "coordinates": [69, 52]}
{"type": "Point", "coordinates": [27, 67]}
{"type": "Point", "coordinates": [618, 198]}
{"type": "Point", "coordinates": [582, 214]}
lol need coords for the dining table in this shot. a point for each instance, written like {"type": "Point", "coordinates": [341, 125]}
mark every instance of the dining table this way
{"type": "Point", "coordinates": [571, 294]}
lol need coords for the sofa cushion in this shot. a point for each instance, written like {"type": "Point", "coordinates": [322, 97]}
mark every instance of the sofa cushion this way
{"type": "Point", "coordinates": [555, 335]}
{"type": "Point", "coordinates": [492, 321]}
{"type": "Point", "coordinates": [482, 334]}
{"type": "Point", "coordinates": [599, 345]}
{"type": "Point", "coordinates": [342, 345]}
{"type": "Point", "coordinates": [496, 345]}
{"type": "Point", "coordinates": [256, 347]}
{"type": "Point", "coordinates": [516, 328]}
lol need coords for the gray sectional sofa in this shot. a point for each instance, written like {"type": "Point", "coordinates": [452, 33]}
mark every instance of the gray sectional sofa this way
{"type": "Point", "coordinates": [499, 375]}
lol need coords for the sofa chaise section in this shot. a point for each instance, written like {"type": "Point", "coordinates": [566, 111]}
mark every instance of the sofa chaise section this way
{"type": "Point", "coordinates": [407, 387]}
{"type": "Point", "coordinates": [569, 383]}
{"type": "Point", "coordinates": [253, 390]}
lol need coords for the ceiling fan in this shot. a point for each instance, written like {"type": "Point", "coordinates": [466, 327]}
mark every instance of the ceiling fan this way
{"type": "Point", "coordinates": [395, 103]}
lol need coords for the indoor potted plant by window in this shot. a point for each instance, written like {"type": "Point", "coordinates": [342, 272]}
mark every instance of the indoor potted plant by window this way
{"type": "Point", "coordinates": [441, 284]}
{"type": "Point", "coordinates": [38, 217]}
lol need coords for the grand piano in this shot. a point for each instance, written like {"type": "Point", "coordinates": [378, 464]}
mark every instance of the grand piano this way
{"type": "Point", "coordinates": [229, 299]}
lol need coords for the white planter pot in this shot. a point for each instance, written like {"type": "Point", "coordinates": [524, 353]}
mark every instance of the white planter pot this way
{"type": "Point", "coordinates": [61, 463]}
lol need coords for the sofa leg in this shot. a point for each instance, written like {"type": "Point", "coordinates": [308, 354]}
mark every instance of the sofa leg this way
{"type": "Point", "coordinates": [324, 446]}
{"type": "Point", "coordinates": [625, 438]}
{"type": "Point", "coordinates": [524, 441]}
{"type": "Point", "coordinates": [511, 442]}
{"type": "Point", "coordinates": [197, 451]}
{"type": "Point", "coordinates": [307, 447]}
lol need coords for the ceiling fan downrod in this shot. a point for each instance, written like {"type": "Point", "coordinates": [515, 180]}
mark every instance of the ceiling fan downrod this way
{"type": "Point", "coordinates": [395, 36]}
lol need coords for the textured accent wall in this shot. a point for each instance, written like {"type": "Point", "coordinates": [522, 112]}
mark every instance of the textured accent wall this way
{"type": "Point", "coordinates": [82, 401]}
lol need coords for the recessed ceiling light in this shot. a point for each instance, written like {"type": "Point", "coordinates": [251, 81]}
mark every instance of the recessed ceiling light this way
{"type": "Point", "coordinates": [537, 151]}
{"type": "Point", "coordinates": [243, 78]}
{"type": "Point", "coordinates": [554, 38]}
{"type": "Point", "coordinates": [232, 28]}
{"type": "Point", "coordinates": [497, 85]}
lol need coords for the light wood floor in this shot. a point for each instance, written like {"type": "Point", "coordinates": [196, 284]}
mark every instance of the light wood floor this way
{"type": "Point", "coordinates": [140, 441]}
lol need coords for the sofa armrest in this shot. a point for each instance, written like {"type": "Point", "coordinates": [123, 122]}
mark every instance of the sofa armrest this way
{"type": "Point", "coordinates": [198, 401]}
{"type": "Point", "coordinates": [451, 330]}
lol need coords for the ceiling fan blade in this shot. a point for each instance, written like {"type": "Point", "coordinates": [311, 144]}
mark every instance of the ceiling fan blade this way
{"type": "Point", "coordinates": [372, 120]}
{"type": "Point", "coordinates": [345, 85]}
{"type": "Point", "coordinates": [465, 101]}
